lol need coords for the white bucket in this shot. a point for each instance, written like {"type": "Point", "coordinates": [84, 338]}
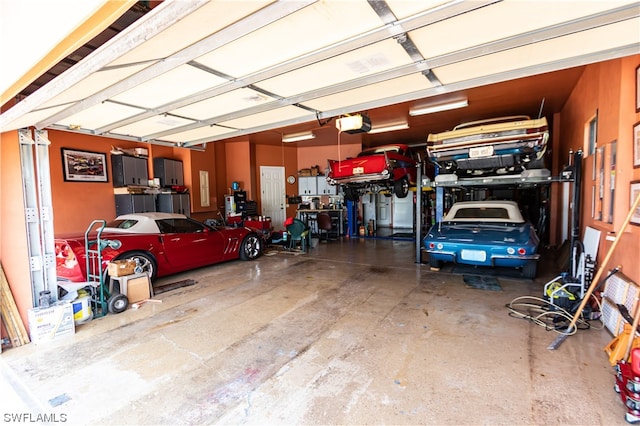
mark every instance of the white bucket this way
{"type": "Point", "coordinates": [82, 309]}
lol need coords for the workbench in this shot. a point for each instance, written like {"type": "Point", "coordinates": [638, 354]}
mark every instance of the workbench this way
{"type": "Point", "coordinates": [309, 217]}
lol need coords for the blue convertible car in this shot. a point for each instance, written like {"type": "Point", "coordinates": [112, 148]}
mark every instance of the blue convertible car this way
{"type": "Point", "coordinates": [485, 233]}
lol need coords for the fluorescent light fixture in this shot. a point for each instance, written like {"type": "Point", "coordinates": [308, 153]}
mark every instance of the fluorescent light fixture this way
{"type": "Point", "coordinates": [389, 127]}
{"type": "Point", "coordinates": [295, 137]}
{"type": "Point", "coordinates": [438, 107]}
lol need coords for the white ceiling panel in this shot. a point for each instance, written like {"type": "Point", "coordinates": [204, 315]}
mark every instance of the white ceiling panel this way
{"type": "Point", "coordinates": [35, 116]}
{"type": "Point", "coordinates": [210, 18]}
{"type": "Point", "coordinates": [282, 114]}
{"type": "Point", "coordinates": [178, 83]}
{"type": "Point", "coordinates": [224, 104]}
{"type": "Point", "coordinates": [159, 123]}
{"type": "Point", "coordinates": [499, 21]}
{"type": "Point", "coordinates": [94, 83]}
{"type": "Point", "coordinates": [314, 27]}
{"type": "Point", "coordinates": [363, 95]}
{"type": "Point", "coordinates": [382, 56]}
{"type": "Point", "coordinates": [99, 115]}
{"type": "Point", "coordinates": [597, 39]}
{"type": "Point", "coordinates": [196, 134]}
{"type": "Point", "coordinates": [405, 8]}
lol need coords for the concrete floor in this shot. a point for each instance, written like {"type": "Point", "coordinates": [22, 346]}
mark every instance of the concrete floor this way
{"type": "Point", "coordinates": [354, 332]}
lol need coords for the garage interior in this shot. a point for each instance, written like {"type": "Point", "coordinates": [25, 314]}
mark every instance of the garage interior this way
{"type": "Point", "coordinates": [358, 329]}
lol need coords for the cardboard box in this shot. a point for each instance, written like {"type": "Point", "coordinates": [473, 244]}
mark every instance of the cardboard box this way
{"type": "Point", "coordinates": [46, 324]}
{"type": "Point", "coordinates": [138, 288]}
{"type": "Point", "coordinates": [119, 268]}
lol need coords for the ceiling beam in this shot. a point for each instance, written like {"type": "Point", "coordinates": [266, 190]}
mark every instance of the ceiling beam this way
{"type": "Point", "coordinates": [261, 18]}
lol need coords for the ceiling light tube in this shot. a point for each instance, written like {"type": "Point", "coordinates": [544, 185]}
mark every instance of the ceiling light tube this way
{"type": "Point", "coordinates": [389, 127]}
{"type": "Point", "coordinates": [431, 108]}
{"type": "Point", "coordinates": [295, 137]}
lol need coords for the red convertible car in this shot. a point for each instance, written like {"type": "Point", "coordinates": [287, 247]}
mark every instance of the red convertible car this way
{"type": "Point", "coordinates": [160, 243]}
{"type": "Point", "coordinates": [389, 168]}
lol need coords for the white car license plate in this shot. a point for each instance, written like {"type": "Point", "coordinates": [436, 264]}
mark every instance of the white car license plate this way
{"type": "Point", "coordinates": [481, 151]}
{"type": "Point", "coordinates": [474, 255]}
{"type": "Point", "coordinates": [358, 170]}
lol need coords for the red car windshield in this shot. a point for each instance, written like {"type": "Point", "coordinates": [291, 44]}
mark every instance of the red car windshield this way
{"type": "Point", "coordinates": [122, 223]}
{"type": "Point", "coordinates": [381, 150]}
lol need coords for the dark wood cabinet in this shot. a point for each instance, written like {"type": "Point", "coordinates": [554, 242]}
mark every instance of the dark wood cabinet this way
{"type": "Point", "coordinates": [135, 203]}
{"type": "Point", "coordinates": [128, 170]}
{"type": "Point", "coordinates": [174, 203]}
{"type": "Point", "coordinates": [169, 171]}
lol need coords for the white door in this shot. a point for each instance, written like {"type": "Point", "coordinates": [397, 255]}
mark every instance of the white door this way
{"type": "Point", "coordinates": [403, 209]}
{"type": "Point", "coordinates": [384, 210]}
{"type": "Point", "coordinates": [368, 207]}
{"type": "Point", "coordinates": [273, 194]}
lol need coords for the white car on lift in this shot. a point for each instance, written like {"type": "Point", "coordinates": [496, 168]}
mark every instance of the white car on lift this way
{"type": "Point", "coordinates": [498, 146]}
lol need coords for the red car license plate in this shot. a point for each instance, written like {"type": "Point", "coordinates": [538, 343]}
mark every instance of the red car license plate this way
{"type": "Point", "coordinates": [358, 170]}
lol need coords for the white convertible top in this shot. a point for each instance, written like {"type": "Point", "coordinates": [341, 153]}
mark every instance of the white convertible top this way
{"type": "Point", "coordinates": [484, 211]}
{"type": "Point", "coordinates": [145, 223]}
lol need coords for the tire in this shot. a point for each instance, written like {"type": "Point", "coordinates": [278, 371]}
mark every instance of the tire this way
{"type": "Point", "coordinates": [117, 303]}
{"type": "Point", "coordinates": [401, 187]}
{"type": "Point", "coordinates": [251, 247]}
{"type": "Point", "coordinates": [351, 194]}
{"type": "Point", "coordinates": [145, 260]}
{"type": "Point", "coordinates": [435, 263]}
{"type": "Point", "coordinates": [529, 270]}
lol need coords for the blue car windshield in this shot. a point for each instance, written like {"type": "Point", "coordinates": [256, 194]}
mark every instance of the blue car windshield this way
{"type": "Point", "coordinates": [482, 213]}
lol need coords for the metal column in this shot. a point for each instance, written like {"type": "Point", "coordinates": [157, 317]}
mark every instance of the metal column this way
{"type": "Point", "coordinates": [36, 185]}
{"type": "Point", "coordinates": [419, 213]}
{"type": "Point", "coordinates": [45, 205]}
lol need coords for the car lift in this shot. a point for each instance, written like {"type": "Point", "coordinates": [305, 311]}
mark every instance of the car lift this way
{"type": "Point", "coordinates": [571, 173]}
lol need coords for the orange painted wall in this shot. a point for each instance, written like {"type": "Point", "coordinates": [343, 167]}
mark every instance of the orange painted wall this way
{"type": "Point", "coordinates": [607, 88]}
{"type": "Point", "coordinates": [238, 160]}
{"type": "Point", "coordinates": [77, 204]}
{"type": "Point", "coordinates": [14, 252]}
{"type": "Point", "coordinates": [202, 161]}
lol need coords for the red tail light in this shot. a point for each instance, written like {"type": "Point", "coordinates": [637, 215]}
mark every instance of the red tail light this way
{"type": "Point", "coordinates": [538, 130]}
{"type": "Point", "coordinates": [522, 251]}
{"type": "Point", "coordinates": [65, 255]}
{"type": "Point", "coordinates": [432, 245]}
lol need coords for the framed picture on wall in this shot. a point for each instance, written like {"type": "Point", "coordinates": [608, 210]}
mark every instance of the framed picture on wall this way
{"type": "Point", "coordinates": [636, 145]}
{"type": "Point", "coordinates": [635, 191]}
{"type": "Point", "coordinates": [638, 88]}
{"type": "Point", "coordinates": [84, 166]}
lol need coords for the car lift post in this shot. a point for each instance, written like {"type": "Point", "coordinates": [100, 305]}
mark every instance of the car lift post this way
{"type": "Point", "coordinates": [419, 212]}
{"type": "Point", "coordinates": [352, 219]}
